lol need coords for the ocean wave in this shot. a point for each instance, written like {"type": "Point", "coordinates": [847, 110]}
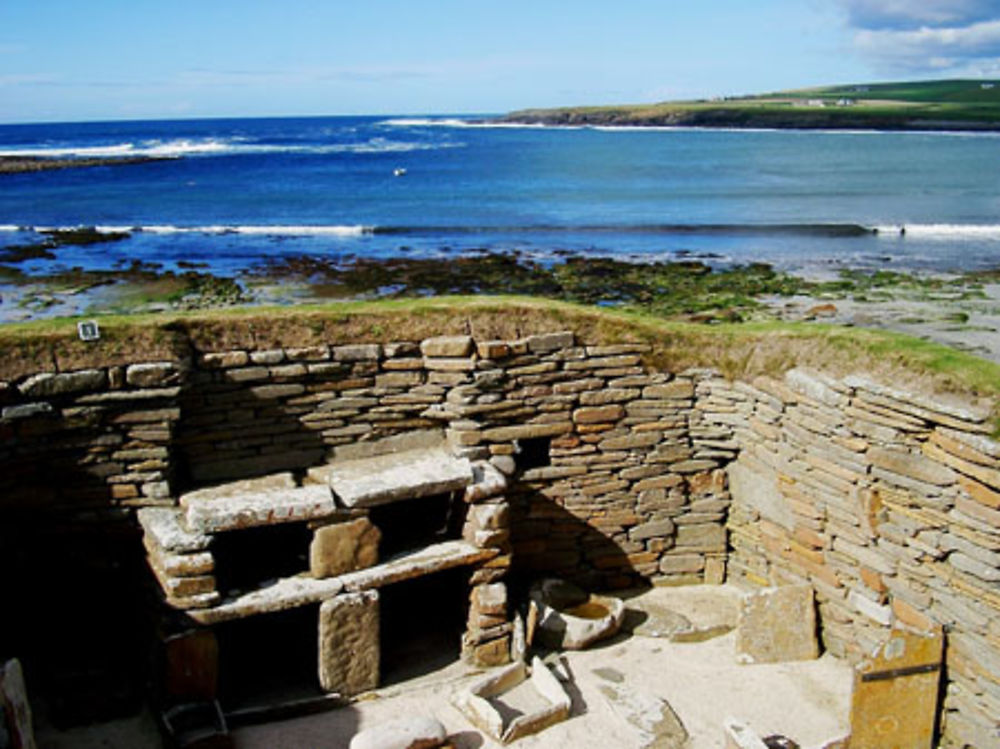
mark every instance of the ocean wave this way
{"type": "Point", "coordinates": [940, 231]}
{"type": "Point", "coordinates": [217, 147]}
{"type": "Point", "coordinates": [331, 230]}
{"type": "Point", "coordinates": [815, 230]}
{"type": "Point", "coordinates": [153, 149]}
{"type": "Point", "coordinates": [426, 122]}
{"type": "Point", "coordinates": [356, 230]}
{"type": "Point", "coordinates": [818, 230]}
{"type": "Point", "coordinates": [257, 230]}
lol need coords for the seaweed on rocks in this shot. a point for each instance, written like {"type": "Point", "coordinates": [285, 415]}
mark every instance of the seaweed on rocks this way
{"type": "Point", "coordinates": [480, 273]}
{"type": "Point", "coordinates": [29, 164]}
{"type": "Point", "coordinates": [54, 239]}
{"type": "Point", "coordinates": [666, 288]}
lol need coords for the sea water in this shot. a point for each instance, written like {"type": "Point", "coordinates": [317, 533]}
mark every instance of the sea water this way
{"type": "Point", "coordinates": [235, 194]}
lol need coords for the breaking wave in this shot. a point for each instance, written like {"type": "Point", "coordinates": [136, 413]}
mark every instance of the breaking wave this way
{"type": "Point", "coordinates": [817, 230]}
{"type": "Point", "coordinates": [335, 230]}
{"type": "Point", "coordinates": [357, 230]}
{"type": "Point", "coordinates": [941, 231]}
{"type": "Point", "coordinates": [218, 147]}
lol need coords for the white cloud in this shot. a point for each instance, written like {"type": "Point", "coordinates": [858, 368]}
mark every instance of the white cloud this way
{"type": "Point", "coordinates": [961, 37]}
{"type": "Point", "coordinates": [908, 14]}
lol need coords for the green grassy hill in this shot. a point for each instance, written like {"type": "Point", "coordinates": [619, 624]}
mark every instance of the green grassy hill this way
{"type": "Point", "coordinates": [916, 105]}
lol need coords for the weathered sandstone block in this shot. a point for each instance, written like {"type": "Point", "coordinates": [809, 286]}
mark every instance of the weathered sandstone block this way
{"type": "Point", "coordinates": [348, 643]}
{"type": "Point", "coordinates": [447, 346]}
{"type": "Point", "coordinates": [152, 374]}
{"type": "Point", "coordinates": [48, 384]}
{"type": "Point", "coordinates": [912, 466]}
{"type": "Point", "coordinates": [608, 395]}
{"type": "Point", "coordinates": [546, 342]}
{"type": "Point", "coordinates": [244, 504]}
{"type": "Point", "coordinates": [598, 414]}
{"type": "Point", "coordinates": [776, 625]}
{"type": "Point", "coordinates": [414, 732]}
{"type": "Point", "coordinates": [895, 696]}
{"type": "Point", "coordinates": [360, 352]}
{"type": "Point", "coordinates": [343, 547]}
{"type": "Point", "coordinates": [675, 390]}
{"type": "Point", "coordinates": [405, 475]}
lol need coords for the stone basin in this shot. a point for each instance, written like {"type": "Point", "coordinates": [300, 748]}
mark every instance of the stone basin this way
{"type": "Point", "coordinates": [515, 701]}
{"type": "Point", "coordinates": [567, 617]}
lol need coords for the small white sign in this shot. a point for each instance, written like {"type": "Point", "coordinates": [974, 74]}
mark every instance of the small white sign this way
{"type": "Point", "coordinates": [88, 330]}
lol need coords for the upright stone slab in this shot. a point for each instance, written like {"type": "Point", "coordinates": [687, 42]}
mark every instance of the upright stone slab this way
{"type": "Point", "coordinates": [895, 697]}
{"type": "Point", "coordinates": [348, 643]}
{"type": "Point", "coordinates": [15, 712]}
{"type": "Point", "coordinates": [343, 547]}
{"type": "Point", "coordinates": [777, 625]}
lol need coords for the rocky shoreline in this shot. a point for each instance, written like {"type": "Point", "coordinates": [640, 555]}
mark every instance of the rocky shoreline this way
{"type": "Point", "coordinates": [29, 164]}
{"type": "Point", "coordinates": [960, 310]}
{"type": "Point", "coordinates": [739, 118]}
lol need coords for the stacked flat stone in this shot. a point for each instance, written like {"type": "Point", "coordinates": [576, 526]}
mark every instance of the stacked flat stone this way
{"type": "Point", "coordinates": [179, 558]}
{"type": "Point", "coordinates": [488, 634]}
{"type": "Point", "coordinates": [625, 496]}
{"type": "Point", "coordinates": [178, 540]}
{"type": "Point", "coordinates": [888, 503]}
{"type": "Point", "coordinates": [113, 425]}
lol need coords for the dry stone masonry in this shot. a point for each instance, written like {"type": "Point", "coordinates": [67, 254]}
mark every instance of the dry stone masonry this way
{"type": "Point", "coordinates": [546, 456]}
{"type": "Point", "coordinates": [886, 503]}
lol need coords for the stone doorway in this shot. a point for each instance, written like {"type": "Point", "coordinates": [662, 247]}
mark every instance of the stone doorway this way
{"type": "Point", "coordinates": [268, 659]}
{"type": "Point", "coordinates": [421, 623]}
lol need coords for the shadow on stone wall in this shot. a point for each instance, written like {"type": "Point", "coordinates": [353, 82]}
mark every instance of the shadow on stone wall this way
{"type": "Point", "coordinates": [77, 613]}
{"type": "Point", "coordinates": [229, 433]}
{"type": "Point", "coordinates": [550, 541]}
{"type": "Point", "coordinates": [75, 584]}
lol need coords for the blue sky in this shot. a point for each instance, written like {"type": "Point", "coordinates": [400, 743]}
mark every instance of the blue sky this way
{"type": "Point", "coordinates": [66, 60]}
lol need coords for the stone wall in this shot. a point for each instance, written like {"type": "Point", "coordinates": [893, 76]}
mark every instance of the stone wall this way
{"type": "Point", "coordinates": [886, 502]}
{"type": "Point", "coordinates": [627, 491]}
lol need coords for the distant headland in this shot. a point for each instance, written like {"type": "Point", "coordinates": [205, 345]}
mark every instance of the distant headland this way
{"type": "Point", "coordinates": [949, 105]}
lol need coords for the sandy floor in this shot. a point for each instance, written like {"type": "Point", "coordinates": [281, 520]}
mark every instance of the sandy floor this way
{"type": "Point", "coordinates": [620, 692]}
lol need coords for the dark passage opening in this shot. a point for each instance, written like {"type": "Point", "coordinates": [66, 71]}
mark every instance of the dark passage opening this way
{"type": "Point", "coordinates": [421, 622]}
{"type": "Point", "coordinates": [533, 453]}
{"type": "Point", "coordinates": [415, 523]}
{"type": "Point", "coordinates": [76, 612]}
{"type": "Point", "coordinates": [269, 659]}
{"type": "Point", "coordinates": [248, 557]}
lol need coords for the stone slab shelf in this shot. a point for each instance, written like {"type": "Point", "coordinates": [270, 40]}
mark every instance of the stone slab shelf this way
{"type": "Point", "coordinates": [381, 479]}
{"type": "Point", "coordinates": [296, 591]}
{"type": "Point", "coordinates": [255, 502]}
